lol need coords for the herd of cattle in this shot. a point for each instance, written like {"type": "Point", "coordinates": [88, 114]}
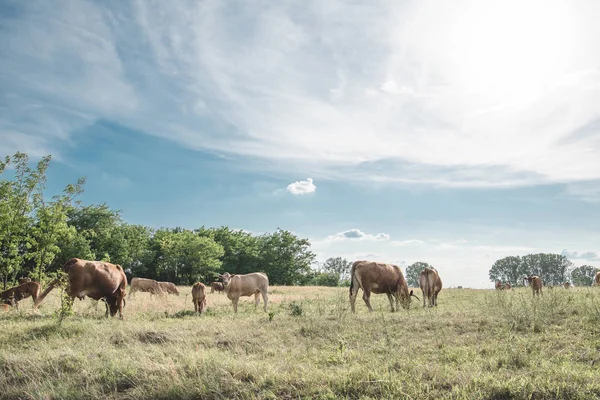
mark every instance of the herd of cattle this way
{"type": "Point", "coordinates": [101, 280]}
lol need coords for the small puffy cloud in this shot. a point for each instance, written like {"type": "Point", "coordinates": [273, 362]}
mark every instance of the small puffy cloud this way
{"type": "Point", "coordinates": [302, 187]}
{"type": "Point", "coordinates": [587, 255]}
{"type": "Point", "coordinates": [357, 234]}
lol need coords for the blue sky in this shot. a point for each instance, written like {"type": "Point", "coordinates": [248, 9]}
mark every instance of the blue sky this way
{"type": "Point", "coordinates": [454, 133]}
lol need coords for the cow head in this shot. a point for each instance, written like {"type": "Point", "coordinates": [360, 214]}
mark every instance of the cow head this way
{"type": "Point", "coordinates": [226, 278]}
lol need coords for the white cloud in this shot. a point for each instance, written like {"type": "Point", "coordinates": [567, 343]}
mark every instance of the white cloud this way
{"type": "Point", "coordinates": [586, 255]}
{"type": "Point", "coordinates": [302, 187]}
{"type": "Point", "coordinates": [357, 234]}
{"type": "Point", "coordinates": [441, 95]}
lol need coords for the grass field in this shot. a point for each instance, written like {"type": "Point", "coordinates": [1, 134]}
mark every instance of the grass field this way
{"type": "Point", "coordinates": [478, 344]}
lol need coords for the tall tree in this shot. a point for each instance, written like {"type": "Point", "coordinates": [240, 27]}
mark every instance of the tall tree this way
{"type": "Point", "coordinates": [583, 275]}
{"type": "Point", "coordinates": [413, 273]}
{"type": "Point", "coordinates": [51, 225]}
{"type": "Point", "coordinates": [552, 268]}
{"type": "Point", "coordinates": [508, 269]}
{"type": "Point", "coordinates": [285, 258]}
{"type": "Point", "coordinates": [16, 207]}
{"type": "Point", "coordinates": [337, 266]}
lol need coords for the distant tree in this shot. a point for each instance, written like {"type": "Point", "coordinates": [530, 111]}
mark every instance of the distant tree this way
{"type": "Point", "coordinates": [284, 257]}
{"type": "Point", "coordinates": [413, 272]}
{"type": "Point", "coordinates": [552, 268]}
{"type": "Point", "coordinates": [337, 266]}
{"type": "Point", "coordinates": [583, 275]}
{"type": "Point", "coordinates": [508, 269]}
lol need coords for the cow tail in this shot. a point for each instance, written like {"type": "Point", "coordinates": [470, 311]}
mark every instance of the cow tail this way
{"type": "Point", "coordinates": [46, 291]}
{"type": "Point", "coordinates": [352, 277]}
{"type": "Point", "coordinates": [427, 292]}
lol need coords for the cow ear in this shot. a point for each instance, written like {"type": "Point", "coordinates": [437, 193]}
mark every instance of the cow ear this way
{"type": "Point", "coordinates": [411, 292]}
{"type": "Point", "coordinates": [220, 276]}
{"type": "Point", "coordinates": [232, 275]}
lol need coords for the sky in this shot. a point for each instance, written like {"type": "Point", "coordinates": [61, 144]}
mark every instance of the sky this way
{"type": "Point", "coordinates": [454, 133]}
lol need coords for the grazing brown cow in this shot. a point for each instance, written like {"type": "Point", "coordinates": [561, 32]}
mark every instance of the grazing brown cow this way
{"type": "Point", "coordinates": [535, 282]}
{"type": "Point", "coordinates": [596, 279]}
{"type": "Point", "coordinates": [95, 279]}
{"type": "Point", "coordinates": [431, 285]}
{"type": "Point", "coordinates": [507, 286]}
{"type": "Point", "coordinates": [145, 285]}
{"type": "Point", "coordinates": [567, 285]}
{"type": "Point", "coordinates": [499, 285]}
{"type": "Point", "coordinates": [218, 286]}
{"type": "Point", "coordinates": [255, 284]}
{"type": "Point", "coordinates": [374, 277]}
{"type": "Point", "coordinates": [168, 287]}
{"type": "Point", "coordinates": [15, 294]}
{"type": "Point", "coordinates": [199, 297]}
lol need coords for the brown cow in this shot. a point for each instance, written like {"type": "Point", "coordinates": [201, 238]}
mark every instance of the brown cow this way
{"type": "Point", "coordinates": [567, 285]}
{"type": "Point", "coordinates": [218, 286]}
{"type": "Point", "coordinates": [168, 287]}
{"type": "Point", "coordinates": [374, 277]}
{"type": "Point", "coordinates": [255, 283]}
{"type": "Point", "coordinates": [507, 286]}
{"type": "Point", "coordinates": [145, 285]}
{"type": "Point", "coordinates": [199, 297]}
{"type": "Point", "coordinates": [499, 285]}
{"type": "Point", "coordinates": [596, 279]}
{"type": "Point", "coordinates": [95, 279]}
{"type": "Point", "coordinates": [15, 294]}
{"type": "Point", "coordinates": [431, 285]}
{"type": "Point", "coordinates": [535, 282]}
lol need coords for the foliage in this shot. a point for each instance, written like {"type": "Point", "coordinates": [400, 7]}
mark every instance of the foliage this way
{"type": "Point", "coordinates": [552, 268]}
{"type": "Point", "coordinates": [337, 266]}
{"type": "Point", "coordinates": [413, 272]}
{"type": "Point", "coordinates": [583, 275]}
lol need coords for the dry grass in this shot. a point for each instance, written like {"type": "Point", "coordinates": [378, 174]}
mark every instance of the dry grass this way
{"type": "Point", "coordinates": [477, 344]}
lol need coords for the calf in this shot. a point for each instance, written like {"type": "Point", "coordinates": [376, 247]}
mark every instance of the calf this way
{"type": "Point", "coordinates": [15, 294]}
{"type": "Point", "coordinates": [199, 297]}
{"type": "Point", "coordinates": [169, 287]}
{"type": "Point", "coordinates": [535, 282]}
{"type": "Point", "coordinates": [218, 286]}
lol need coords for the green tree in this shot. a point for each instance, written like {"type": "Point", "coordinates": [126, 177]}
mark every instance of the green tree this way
{"type": "Point", "coordinates": [413, 272]}
{"type": "Point", "coordinates": [284, 257]}
{"type": "Point", "coordinates": [337, 266]}
{"type": "Point", "coordinates": [508, 269]}
{"type": "Point", "coordinates": [241, 249]}
{"type": "Point", "coordinates": [583, 275]}
{"type": "Point", "coordinates": [51, 225]}
{"type": "Point", "coordinates": [552, 268]}
{"type": "Point", "coordinates": [185, 257]}
{"type": "Point", "coordinates": [16, 207]}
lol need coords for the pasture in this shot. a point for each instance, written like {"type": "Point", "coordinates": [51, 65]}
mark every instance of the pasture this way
{"type": "Point", "coordinates": [482, 344]}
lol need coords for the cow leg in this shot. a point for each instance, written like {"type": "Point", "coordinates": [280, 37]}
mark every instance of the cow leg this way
{"type": "Point", "coordinates": [235, 304]}
{"type": "Point", "coordinates": [256, 299]}
{"type": "Point", "coordinates": [424, 297]}
{"type": "Point", "coordinates": [353, 296]}
{"type": "Point", "coordinates": [367, 299]}
{"type": "Point", "coordinates": [195, 305]}
{"type": "Point", "coordinates": [265, 297]}
{"type": "Point", "coordinates": [391, 299]}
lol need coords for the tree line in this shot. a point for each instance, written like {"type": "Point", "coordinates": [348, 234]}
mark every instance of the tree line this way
{"type": "Point", "coordinates": [39, 234]}
{"type": "Point", "coordinates": [554, 269]}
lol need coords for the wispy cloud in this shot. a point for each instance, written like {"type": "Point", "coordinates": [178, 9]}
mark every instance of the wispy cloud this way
{"type": "Point", "coordinates": [585, 255]}
{"type": "Point", "coordinates": [302, 187]}
{"type": "Point", "coordinates": [432, 92]}
{"type": "Point", "coordinates": [357, 234]}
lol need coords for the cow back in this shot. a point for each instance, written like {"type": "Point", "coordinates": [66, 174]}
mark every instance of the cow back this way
{"type": "Point", "coordinates": [248, 284]}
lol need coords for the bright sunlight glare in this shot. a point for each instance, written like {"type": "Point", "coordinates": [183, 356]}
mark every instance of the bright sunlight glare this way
{"type": "Point", "coordinates": [511, 52]}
